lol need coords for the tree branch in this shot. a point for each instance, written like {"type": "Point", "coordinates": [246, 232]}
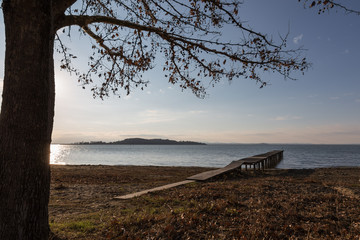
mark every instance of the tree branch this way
{"type": "Point", "coordinates": [84, 21]}
{"type": "Point", "coordinates": [59, 7]}
{"type": "Point", "coordinates": [188, 36]}
{"type": "Point", "coordinates": [348, 10]}
{"type": "Point", "coordinates": [327, 4]}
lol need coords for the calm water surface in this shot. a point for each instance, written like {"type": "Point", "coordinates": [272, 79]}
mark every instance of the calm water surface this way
{"type": "Point", "coordinates": [212, 155]}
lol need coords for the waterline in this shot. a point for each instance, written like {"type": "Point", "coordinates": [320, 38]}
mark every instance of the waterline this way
{"type": "Point", "coordinates": [212, 155]}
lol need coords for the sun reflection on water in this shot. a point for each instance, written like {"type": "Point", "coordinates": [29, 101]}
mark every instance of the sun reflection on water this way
{"type": "Point", "coordinates": [57, 153]}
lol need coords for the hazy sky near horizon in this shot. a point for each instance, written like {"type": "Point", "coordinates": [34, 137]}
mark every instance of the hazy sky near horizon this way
{"type": "Point", "coordinates": [322, 106]}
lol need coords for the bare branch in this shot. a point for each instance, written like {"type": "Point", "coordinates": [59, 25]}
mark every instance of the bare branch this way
{"type": "Point", "coordinates": [325, 5]}
{"type": "Point", "coordinates": [187, 34]}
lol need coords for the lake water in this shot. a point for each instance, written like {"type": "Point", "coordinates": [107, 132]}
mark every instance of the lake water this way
{"type": "Point", "coordinates": [212, 155]}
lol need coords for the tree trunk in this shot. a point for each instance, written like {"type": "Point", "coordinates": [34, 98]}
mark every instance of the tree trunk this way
{"type": "Point", "coordinates": [26, 119]}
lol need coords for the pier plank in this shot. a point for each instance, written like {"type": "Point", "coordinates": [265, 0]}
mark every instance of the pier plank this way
{"type": "Point", "coordinates": [137, 194]}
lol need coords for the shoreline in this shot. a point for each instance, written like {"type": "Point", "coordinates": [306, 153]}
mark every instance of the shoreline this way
{"type": "Point", "coordinates": [205, 167]}
{"type": "Point", "coordinates": [315, 203]}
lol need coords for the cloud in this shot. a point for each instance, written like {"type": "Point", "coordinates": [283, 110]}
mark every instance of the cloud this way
{"type": "Point", "coordinates": [156, 116]}
{"type": "Point", "coordinates": [279, 118]}
{"type": "Point", "coordinates": [151, 116]}
{"type": "Point", "coordinates": [286, 118]}
{"type": "Point", "coordinates": [335, 134]}
{"type": "Point", "coordinates": [197, 112]}
{"type": "Point", "coordinates": [297, 39]}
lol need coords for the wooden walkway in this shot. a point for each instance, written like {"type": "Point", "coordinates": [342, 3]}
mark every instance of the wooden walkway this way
{"type": "Point", "coordinates": [257, 162]}
{"type": "Point", "coordinates": [137, 194]}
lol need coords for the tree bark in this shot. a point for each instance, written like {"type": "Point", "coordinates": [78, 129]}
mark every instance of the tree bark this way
{"type": "Point", "coordinates": [26, 119]}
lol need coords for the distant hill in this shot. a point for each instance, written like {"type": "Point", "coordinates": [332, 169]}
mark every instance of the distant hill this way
{"type": "Point", "coordinates": [141, 141]}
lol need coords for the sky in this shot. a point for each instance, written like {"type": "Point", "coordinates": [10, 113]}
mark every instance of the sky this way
{"type": "Point", "coordinates": [320, 107]}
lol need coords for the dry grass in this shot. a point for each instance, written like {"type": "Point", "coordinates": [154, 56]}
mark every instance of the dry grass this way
{"type": "Point", "coordinates": [286, 204]}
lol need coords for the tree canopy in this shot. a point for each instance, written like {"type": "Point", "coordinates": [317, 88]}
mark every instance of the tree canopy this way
{"type": "Point", "coordinates": [128, 35]}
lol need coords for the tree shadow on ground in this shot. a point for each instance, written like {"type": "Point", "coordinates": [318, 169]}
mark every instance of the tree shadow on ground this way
{"type": "Point", "coordinates": [237, 174]}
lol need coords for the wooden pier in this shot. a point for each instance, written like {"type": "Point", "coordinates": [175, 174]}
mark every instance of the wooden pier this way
{"type": "Point", "coordinates": [257, 162]}
{"type": "Point", "coordinates": [265, 160]}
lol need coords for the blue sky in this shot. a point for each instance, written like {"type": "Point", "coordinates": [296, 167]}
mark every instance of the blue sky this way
{"type": "Point", "coordinates": [323, 106]}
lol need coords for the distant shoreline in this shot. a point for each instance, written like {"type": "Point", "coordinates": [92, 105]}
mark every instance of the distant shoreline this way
{"type": "Point", "coordinates": [140, 141]}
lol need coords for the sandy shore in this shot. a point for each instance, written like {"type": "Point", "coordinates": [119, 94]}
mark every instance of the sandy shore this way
{"type": "Point", "coordinates": [310, 203]}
